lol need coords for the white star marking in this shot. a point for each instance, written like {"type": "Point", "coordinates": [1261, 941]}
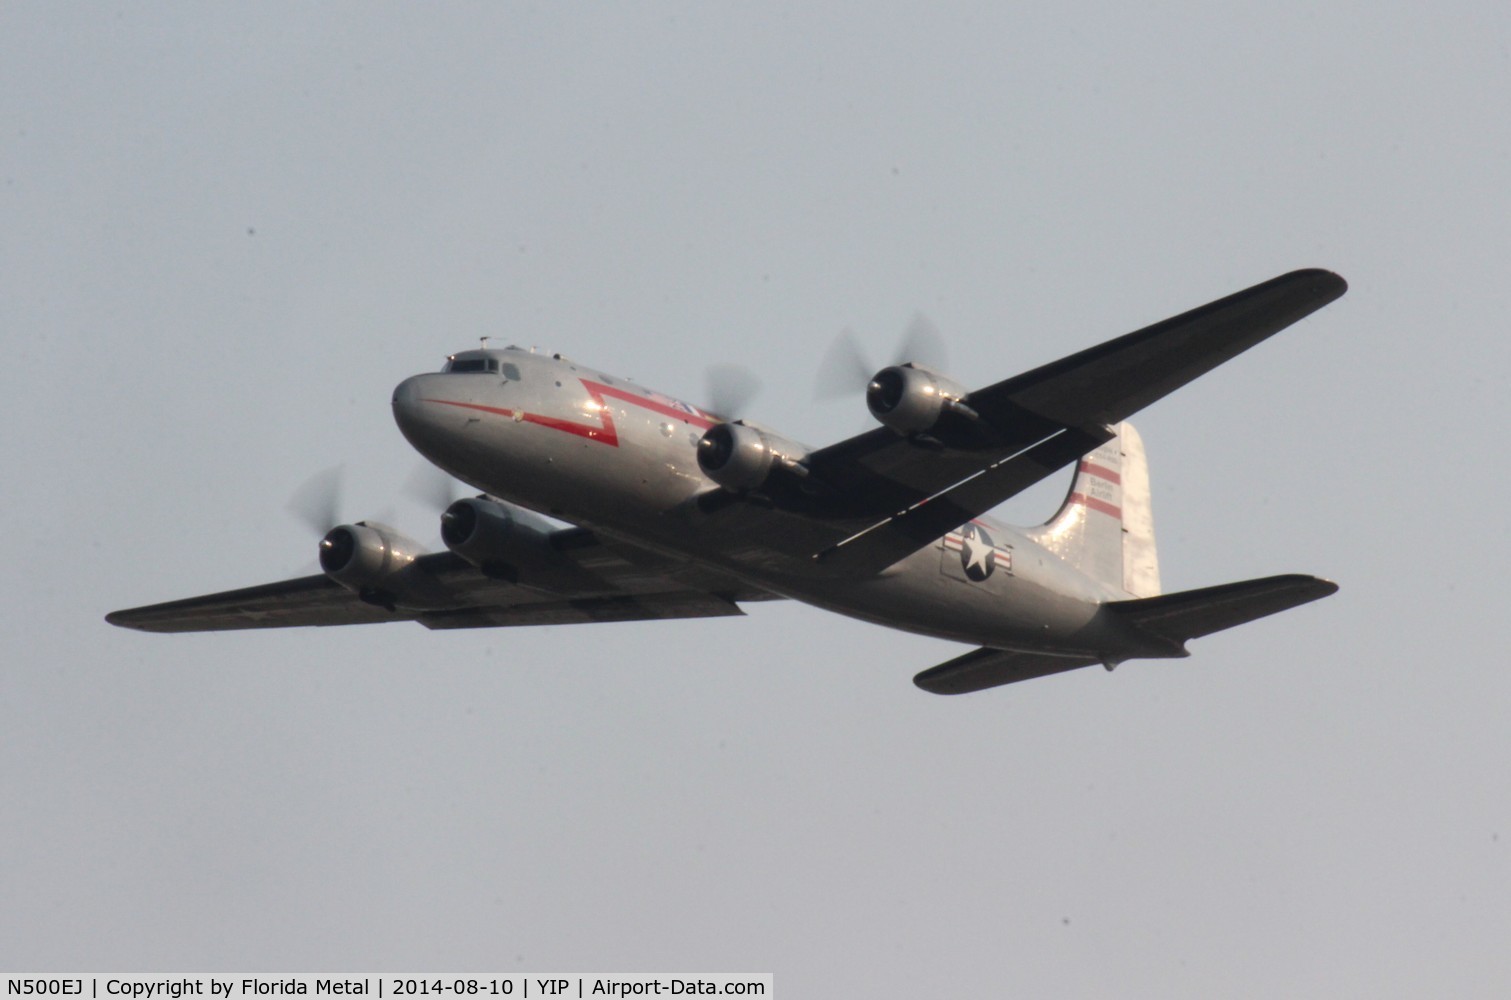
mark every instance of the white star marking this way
{"type": "Point", "coordinates": [977, 553]}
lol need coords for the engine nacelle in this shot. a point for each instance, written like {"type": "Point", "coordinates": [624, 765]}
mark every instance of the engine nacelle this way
{"type": "Point", "coordinates": [490, 537]}
{"type": "Point", "coordinates": [910, 398]}
{"type": "Point", "coordinates": [741, 457]}
{"type": "Point", "coordinates": [368, 558]}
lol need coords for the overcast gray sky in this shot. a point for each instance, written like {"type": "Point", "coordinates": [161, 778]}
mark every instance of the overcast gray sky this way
{"type": "Point", "coordinates": [226, 231]}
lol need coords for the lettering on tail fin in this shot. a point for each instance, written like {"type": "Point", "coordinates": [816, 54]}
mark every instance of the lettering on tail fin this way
{"type": "Point", "coordinates": [1105, 528]}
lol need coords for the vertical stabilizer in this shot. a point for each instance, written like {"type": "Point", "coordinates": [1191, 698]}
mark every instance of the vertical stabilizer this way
{"type": "Point", "coordinates": [1105, 528]}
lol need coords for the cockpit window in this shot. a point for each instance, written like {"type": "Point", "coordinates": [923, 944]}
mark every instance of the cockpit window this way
{"type": "Point", "coordinates": [511, 371]}
{"type": "Point", "coordinates": [472, 365]}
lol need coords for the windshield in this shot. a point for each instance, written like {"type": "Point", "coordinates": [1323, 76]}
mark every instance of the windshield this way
{"type": "Point", "coordinates": [471, 365]}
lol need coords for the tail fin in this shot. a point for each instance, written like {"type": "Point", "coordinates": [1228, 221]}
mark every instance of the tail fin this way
{"type": "Point", "coordinates": [1105, 528]}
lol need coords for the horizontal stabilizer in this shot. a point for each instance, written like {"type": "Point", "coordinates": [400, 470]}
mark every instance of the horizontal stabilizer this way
{"type": "Point", "coordinates": [1171, 619]}
{"type": "Point", "coordinates": [987, 667]}
{"type": "Point", "coordinates": [1193, 613]}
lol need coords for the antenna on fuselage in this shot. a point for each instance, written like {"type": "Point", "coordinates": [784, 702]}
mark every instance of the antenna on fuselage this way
{"type": "Point", "coordinates": [485, 342]}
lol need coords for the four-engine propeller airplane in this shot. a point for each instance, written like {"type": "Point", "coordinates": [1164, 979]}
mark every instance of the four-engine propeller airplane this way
{"type": "Point", "coordinates": [679, 513]}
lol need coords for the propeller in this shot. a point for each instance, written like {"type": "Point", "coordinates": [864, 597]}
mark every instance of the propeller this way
{"type": "Point", "coordinates": [729, 389]}
{"type": "Point", "coordinates": [923, 343]}
{"type": "Point", "coordinates": [846, 367]}
{"type": "Point", "coordinates": [430, 486]}
{"type": "Point", "coordinates": [318, 501]}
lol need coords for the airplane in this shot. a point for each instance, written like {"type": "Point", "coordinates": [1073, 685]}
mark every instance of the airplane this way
{"type": "Point", "coordinates": [672, 511]}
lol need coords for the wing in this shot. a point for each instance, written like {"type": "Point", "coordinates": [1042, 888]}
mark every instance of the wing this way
{"type": "Point", "coordinates": [614, 583]}
{"type": "Point", "coordinates": [872, 499]}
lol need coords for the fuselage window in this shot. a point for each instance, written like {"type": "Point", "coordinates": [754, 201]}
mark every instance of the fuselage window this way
{"type": "Point", "coordinates": [511, 371]}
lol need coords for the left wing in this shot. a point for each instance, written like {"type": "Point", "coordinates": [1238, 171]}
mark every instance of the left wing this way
{"type": "Point", "coordinates": [868, 501]}
{"type": "Point", "coordinates": [616, 584]}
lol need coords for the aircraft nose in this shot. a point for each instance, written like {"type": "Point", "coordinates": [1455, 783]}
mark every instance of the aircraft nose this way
{"type": "Point", "coordinates": [421, 418]}
{"type": "Point", "coordinates": [406, 402]}
{"type": "Point", "coordinates": [439, 416]}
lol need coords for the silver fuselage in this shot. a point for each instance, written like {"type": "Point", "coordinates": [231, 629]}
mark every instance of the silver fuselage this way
{"type": "Point", "coordinates": [551, 435]}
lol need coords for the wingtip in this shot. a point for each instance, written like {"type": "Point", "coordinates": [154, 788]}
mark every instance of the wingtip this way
{"type": "Point", "coordinates": [1325, 280]}
{"type": "Point", "coordinates": [127, 619]}
{"type": "Point", "coordinates": [924, 682]}
{"type": "Point", "coordinates": [1315, 587]}
{"type": "Point", "coordinates": [121, 619]}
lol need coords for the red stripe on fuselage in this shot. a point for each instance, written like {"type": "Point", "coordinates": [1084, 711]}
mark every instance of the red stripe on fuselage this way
{"type": "Point", "coordinates": [691, 415]}
{"type": "Point", "coordinates": [605, 432]}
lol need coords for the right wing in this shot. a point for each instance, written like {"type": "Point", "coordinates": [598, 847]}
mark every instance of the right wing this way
{"type": "Point", "coordinates": [613, 583]}
{"type": "Point", "coordinates": [877, 497]}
